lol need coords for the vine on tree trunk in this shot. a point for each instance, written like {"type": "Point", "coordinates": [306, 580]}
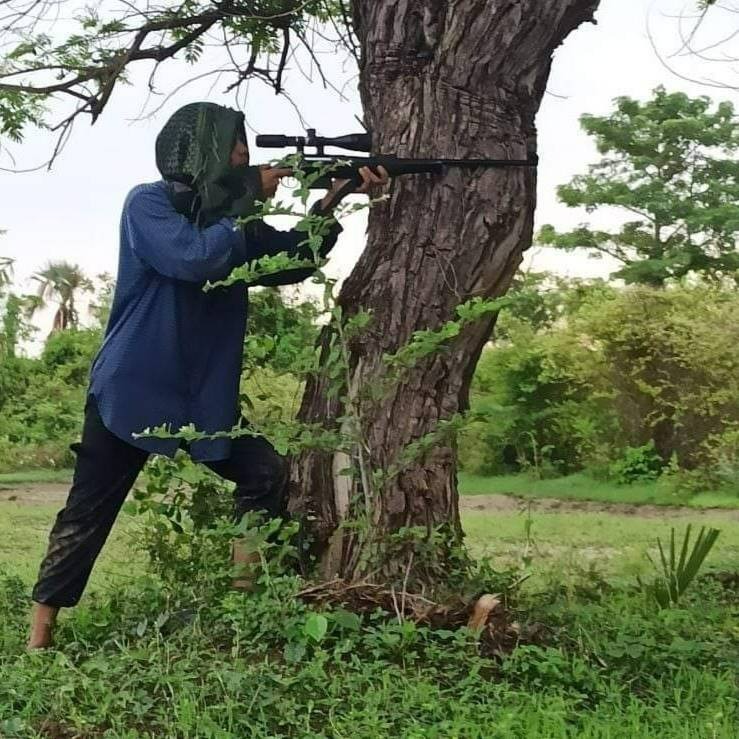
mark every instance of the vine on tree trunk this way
{"type": "Point", "coordinates": [345, 435]}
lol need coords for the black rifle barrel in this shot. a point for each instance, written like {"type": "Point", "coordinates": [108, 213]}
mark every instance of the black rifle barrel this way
{"type": "Point", "coordinates": [363, 142]}
{"type": "Point", "coordinates": [345, 168]}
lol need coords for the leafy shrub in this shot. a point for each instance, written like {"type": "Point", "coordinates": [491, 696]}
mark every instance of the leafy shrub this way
{"type": "Point", "coordinates": [535, 407]}
{"type": "Point", "coordinates": [721, 461]}
{"type": "Point", "coordinates": [616, 372]}
{"type": "Point", "coordinates": [185, 508]}
{"type": "Point", "coordinates": [637, 464]}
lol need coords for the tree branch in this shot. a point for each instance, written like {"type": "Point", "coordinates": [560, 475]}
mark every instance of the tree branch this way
{"type": "Point", "coordinates": [87, 66]}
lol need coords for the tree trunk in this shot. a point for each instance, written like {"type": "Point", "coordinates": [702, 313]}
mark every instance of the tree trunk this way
{"type": "Point", "coordinates": [460, 79]}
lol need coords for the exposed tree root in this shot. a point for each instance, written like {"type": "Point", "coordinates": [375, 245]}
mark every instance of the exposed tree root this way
{"type": "Point", "coordinates": [497, 630]}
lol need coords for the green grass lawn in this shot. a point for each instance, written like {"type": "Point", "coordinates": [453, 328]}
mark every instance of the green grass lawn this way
{"type": "Point", "coordinates": [582, 487]}
{"type": "Point", "coordinates": [24, 531]}
{"type": "Point", "coordinates": [565, 546]}
{"type": "Point", "coordinates": [558, 545]}
{"type": "Point", "coordinates": [615, 668]}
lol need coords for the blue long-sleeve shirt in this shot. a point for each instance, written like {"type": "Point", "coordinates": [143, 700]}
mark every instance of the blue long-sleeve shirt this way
{"type": "Point", "coordinates": [172, 352]}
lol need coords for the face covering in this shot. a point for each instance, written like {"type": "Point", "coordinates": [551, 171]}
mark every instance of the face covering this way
{"type": "Point", "coordinates": [192, 154]}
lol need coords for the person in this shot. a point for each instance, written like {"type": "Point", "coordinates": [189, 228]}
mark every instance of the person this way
{"type": "Point", "coordinates": [172, 351]}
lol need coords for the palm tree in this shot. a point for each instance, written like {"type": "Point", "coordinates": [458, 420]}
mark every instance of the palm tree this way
{"type": "Point", "coordinates": [61, 282]}
{"type": "Point", "coordinates": [6, 270]}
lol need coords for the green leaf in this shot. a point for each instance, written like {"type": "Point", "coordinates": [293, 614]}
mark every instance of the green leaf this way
{"type": "Point", "coordinates": [346, 620]}
{"type": "Point", "coordinates": [294, 652]}
{"type": "Point", "coordinates": [315, 627]}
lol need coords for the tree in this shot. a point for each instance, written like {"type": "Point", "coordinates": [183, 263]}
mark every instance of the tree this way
{"type": "Point", "coordinates": [7, 336]}
{"type": "Point", "coordinates": [460, 79]}
{"type": "Point", "coordinates": [668, 362]}
{"type": "Point", "coordinates": [12, 308]}
{"type": "Point", "coordinates": [6, 272]}
{"type": "Point", "coordinates": [672, 163]}
{"type": "Point", "coordinates": [637, 367]}
{"type": "Point", "coordinates": [539, 300]}
{"type": "Point", "coordinates": [102, 302]}
{"type": "Point", "coordinates": [61, 282]}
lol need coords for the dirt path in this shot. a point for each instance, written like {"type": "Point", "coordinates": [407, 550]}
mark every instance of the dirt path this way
{"type": "Point", "coordinates": [33, 493]}
{"type": "Point", "coordinates": [509, 503]}
{"type": "Point", "coordinates": [55, 494]}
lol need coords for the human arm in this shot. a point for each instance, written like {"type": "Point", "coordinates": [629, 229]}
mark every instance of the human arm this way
{"type": "Point", "coordinates": [264, 240]}
{"type": "Point", "coordinates": [170, 244]}
{"type": "Point", "coordinates": [289, 241]}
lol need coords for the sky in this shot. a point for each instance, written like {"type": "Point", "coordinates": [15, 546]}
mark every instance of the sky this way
{"type": "Point", "coordinates": [72, 212]}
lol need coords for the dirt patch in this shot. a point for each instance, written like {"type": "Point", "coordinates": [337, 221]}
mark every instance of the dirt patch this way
{"type": "Point", "coordinates": [59, 730]}
{"type": "Point", "coordinates": [54, 493]}
{"type": "Point", "coordinates": [511, 504]}
{"type": "Point", "coordinates": [35, 493]}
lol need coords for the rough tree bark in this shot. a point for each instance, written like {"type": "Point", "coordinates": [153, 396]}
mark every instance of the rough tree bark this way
{"type": "Point", "coordinates": [456, 79]}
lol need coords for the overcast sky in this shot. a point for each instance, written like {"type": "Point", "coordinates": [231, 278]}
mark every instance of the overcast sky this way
{"type": "Point", "coordinates": [72, 212]}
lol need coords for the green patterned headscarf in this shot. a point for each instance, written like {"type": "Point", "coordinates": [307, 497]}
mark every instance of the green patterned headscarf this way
{"type": "Point", "coordinates": [194, 149]}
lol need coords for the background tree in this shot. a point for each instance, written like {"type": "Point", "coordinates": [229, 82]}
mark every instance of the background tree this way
{"type": "Point", "coordinates": [718, 51]}
{"type": "Point", "coordinates": [671, 162]}
{"type": "Point", "coordinates": [61, 282]}
{"type": "Point", "coordinates": [539, 300]}
{"type": "Point", "coordinates": [102, 300]}
{"type": "Point", "coordinates": [13, 308]}
{"type": "Point", "coordinates": [6, 272]}
{"type": "Point", "coordinates": [622, 370]}
{"type": "Point", "coordinates": [7, 342]}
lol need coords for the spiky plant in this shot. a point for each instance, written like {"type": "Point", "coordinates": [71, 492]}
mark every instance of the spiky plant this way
{"type": "Point", "coordinates": [676, 572]}
{"type": "Point", "coordinates": [6, 270]}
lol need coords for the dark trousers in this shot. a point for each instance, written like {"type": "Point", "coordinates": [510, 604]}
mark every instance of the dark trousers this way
{"type": "Point", "coordinates": [105, 472]}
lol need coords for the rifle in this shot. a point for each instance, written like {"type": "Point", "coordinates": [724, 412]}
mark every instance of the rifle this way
{"type": "Point", "coordinates": [348, 169]}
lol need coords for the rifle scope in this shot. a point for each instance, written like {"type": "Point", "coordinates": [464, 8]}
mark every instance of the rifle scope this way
{"type": "Point", "coordinates": [352, 141]}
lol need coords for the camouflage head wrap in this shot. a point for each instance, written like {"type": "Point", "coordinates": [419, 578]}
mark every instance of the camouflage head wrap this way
{"type": "Point", "coordinates": [194, 149]}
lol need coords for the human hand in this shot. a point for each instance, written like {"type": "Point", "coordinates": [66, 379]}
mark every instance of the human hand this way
{"type": "Point", "coordinates": [271, 177]}
{"type": "Point", "coordinates": [369, 179]}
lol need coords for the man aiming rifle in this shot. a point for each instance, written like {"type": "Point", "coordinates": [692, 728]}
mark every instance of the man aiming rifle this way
{"type": "Point", "coordinates": [172, 352]}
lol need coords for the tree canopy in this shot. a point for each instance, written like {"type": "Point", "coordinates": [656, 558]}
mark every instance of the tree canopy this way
{"type": "Point", "coordinates": [670, 162]}
{"type": "Point", "coordinates": [52, 71]}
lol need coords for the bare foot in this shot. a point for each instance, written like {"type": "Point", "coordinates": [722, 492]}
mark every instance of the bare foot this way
{"type": "Point", "coordinates": [43, 620]}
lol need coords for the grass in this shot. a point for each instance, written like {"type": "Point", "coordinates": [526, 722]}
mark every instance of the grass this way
{"type": "Point", "coordinates": [584, 488]}
{"type": "Point", "coordinates": [556, 542]}
{"type": "Point", "coordinates": [611, 667]}
{"type": "Point", "coordinates": [563, 546]}
{"type": "Point", "coordinates": [24, 531]}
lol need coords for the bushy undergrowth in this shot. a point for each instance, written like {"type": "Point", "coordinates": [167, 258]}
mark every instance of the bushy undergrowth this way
{"type": "Point", "coordinates": [41, 414]}
{"type": "Point", "coordinates": [625, 383]}
{"type": "Point", "coordinates": [628, 385]}
{"type": "Point", "coordinates": [175, 652]}
{"type": "Point", "coordinates": [202, 661]}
